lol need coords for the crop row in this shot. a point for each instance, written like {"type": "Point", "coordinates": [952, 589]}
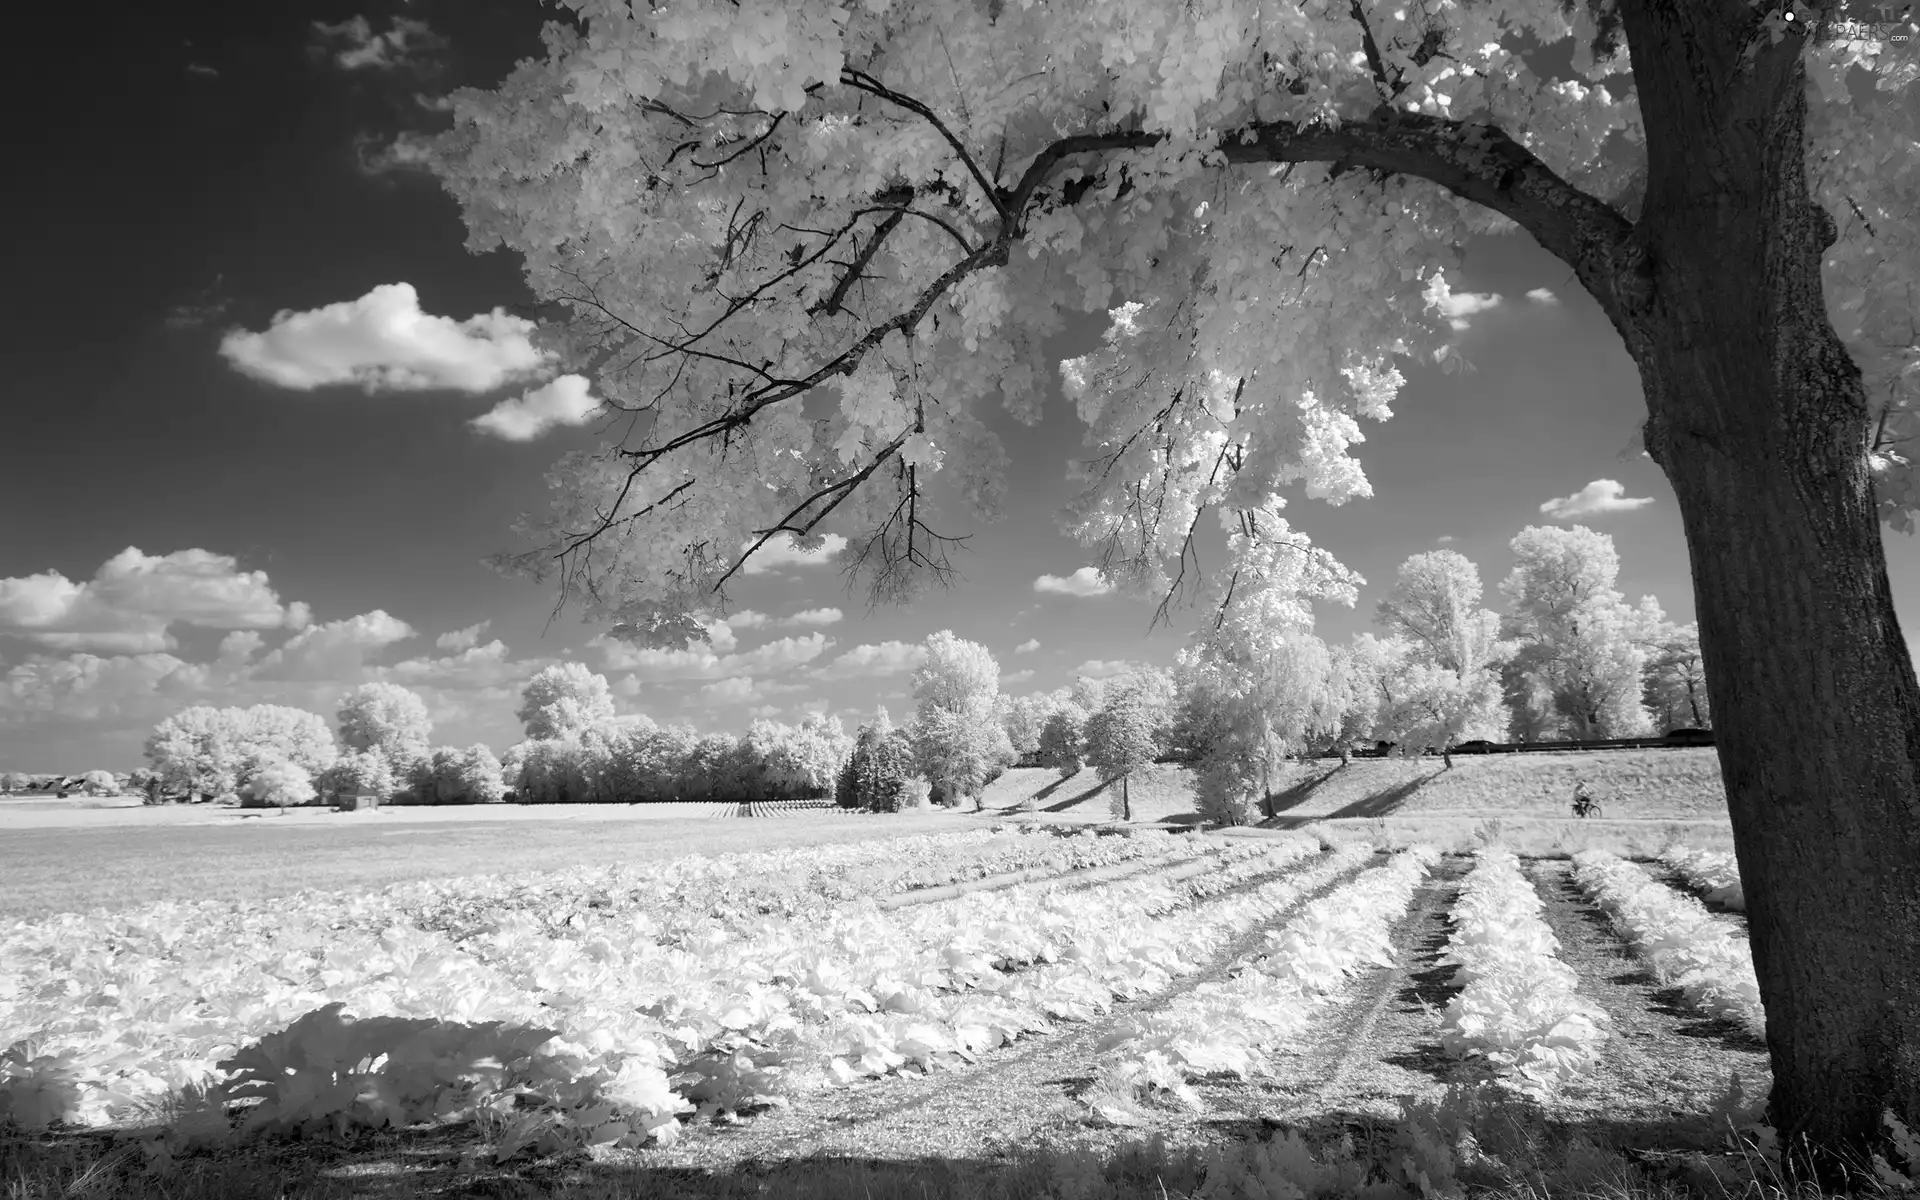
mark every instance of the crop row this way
{"type": "Point", "coordinates": [113, 1027]}
{"type": "Point", "coordinates": [1713, 873]}
{"type": "Point", "coordinates": [1683, 943]}
{"type": "Point", "coordinates": [1227, 1026]}
{"type": "Point", "coordinates": [1518, 1005]}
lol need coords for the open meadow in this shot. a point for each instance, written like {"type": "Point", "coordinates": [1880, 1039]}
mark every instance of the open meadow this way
{"type": "Point", "coordinates": [553, 1001]}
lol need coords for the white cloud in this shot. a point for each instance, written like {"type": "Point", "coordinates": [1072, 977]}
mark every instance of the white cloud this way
{"type": "Point", "coordinates": [1600, 496]}
{"type": "Point", "coordinates": [383, 342]}
{"type": "Point", "coordinates": [361, 49]}
{"type": "Point", "coordinates": [1104, 668]}
{"type": "Point", "coordinates": [1084, 582]}
{"type": "Point", "coordinates": [1444, 539]}
{"type": "Point", "coordinates": [564, 401]}
{"type": "Point", "coordinates": [1028, 646]}
{"type": "Point", "coordinates": [744, 689]}
{"type": "Point", "coordinates": [462, 639]}
{"type": "Point", "coordinates": [720, 635]}
{"type": "Point", "coordinates": [1458, 306]}
{"type": "Point", "coordinates": [1542, 296]}
{"type": "Point", "coordinates": [872, 660]}
{"type": "Point", "coordinates": [474, 667]}
{"type": "Point", "coordinates": [769, 711]}
{"type": "Point", "coordinates": [746, 618]}
{"type": "Point", "coordinates": [814, 616]}
{"type": "Point", "coordinates": [1016, 677]}
{"type": "Point", "coordinates": [87, 687]}
{"type": "Point", "coordinates": [335, 650]}
{"type": "Point", "coordinates": [780, 552]}
{"type": "Point", "coordinates": [133, 598]}
{"type": "Point", "coordinates": [407, 151]}
{"type": "Point", "coordinates": [700, 662]}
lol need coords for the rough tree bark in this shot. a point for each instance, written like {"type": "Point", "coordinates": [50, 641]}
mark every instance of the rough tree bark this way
{"type": "Point", "coordinates": [1758, 417]}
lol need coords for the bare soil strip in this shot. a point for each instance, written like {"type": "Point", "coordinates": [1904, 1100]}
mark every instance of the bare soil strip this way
{"type": "Point", "coordinates": [1381, 1041]}
{"type": "Point", "coordinates": [1019, 1095]}
{"type": "Point", "coordinates": [1665, 1061]}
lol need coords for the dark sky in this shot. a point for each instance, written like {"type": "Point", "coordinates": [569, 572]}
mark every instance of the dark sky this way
{"type": "Point", "coordinates": [207, 167]}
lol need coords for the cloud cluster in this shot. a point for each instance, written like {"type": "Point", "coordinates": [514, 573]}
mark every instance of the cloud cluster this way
{"type": "Point", "coordinates": [874, 660]}
{"type": "Point", "coordinates": [354, 46]}
{"type": "Point", "coordinates": [1086, 581]}
{"type": "Point", "coordinates": [1028, 646]}
{"type": "Point", "coordinates": [1597, 498]}
{"type": "Point", "coordinates": [1104, 668]}
{"type": "Point", "coordinates": [118, 674]}
{"type": "Point", "coordinates": [134, 598]}
{"type": "Point", "coordinates": [781, 552]}
{"type": "Point", "coordinates": [652, 665]}
{"type": "Point", "coordinates": [384, 342]}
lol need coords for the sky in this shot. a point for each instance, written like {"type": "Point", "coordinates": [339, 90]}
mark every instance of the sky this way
{"type": "Point", "coordinates": [199, 504]}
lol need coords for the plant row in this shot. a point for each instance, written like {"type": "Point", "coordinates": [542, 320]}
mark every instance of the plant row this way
{"type": "Point", "coordinates": [1679, 939]}
{"type": "Point", "coordinates": [156, 1005]}
{"type": "Point", "coordinates": [1226, 1026]}
{"type": "Point", "coordinates": [1518, 1005]}
{"type": "Point", "coordinates": [1715, 874]}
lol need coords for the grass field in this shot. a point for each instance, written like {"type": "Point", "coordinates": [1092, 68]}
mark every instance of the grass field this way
{"type": "Point", "coordinates": [173, 853]}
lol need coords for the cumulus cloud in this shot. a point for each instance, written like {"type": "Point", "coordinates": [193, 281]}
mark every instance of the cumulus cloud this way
{"type": "Point", "coordinates": [563, 401]}
{"type": "Point", "coordinates": [1542, 296]}
{"type": "Point", "coordinates": [383, 342]}
{"type": "Point", "coordinates": [781, 552]}
{"type": "Point", "coordinates": [872, 660]}
{"type": "Point", "coordinates": [1028, 646]}
{"type": "Point", "coordinates": [487, 666]}
{"type": "Point", "coordinates": [813, 617]}
{"type": "Point", "coordinates": [744, 689]}
{"type": "Point", "coordinates": [462, 639]}
{"type": "Point", "coordinates": [379, 156]}
{"type": "Point", "coordinates": [1597, 498]}
{"type": "Point", "coordinates": [1104, 668]}
{"type": "Point", "coordinates": [88, 687]}
{"type": "Point", "coordinates": [1084, 582]}
{"type": "Point", "coordinates": [700, 662]}
{"type": "Point", "coordinates": [746, 618]}
{"type": "Point", "coordinates": [1016, 677]}
{"type": "Point", "coordinates": [1457, 307]}
{"type": "Point", "coordinates": [129, 604]}
{"type": "Point", "coordinates": [354, 46]}
{"type": "Point", "coordinates": [335, 650]}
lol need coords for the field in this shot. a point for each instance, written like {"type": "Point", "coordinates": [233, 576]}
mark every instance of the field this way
{"type": "Point", "coordinates": [1026, 1038]}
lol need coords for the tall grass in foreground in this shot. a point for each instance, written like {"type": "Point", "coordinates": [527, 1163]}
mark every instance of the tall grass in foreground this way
{"type": "Point", "coordinates": [1475, 1143]}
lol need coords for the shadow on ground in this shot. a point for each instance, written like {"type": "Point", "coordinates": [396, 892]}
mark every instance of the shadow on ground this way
{"type": "Point", "coordinates": [441, 1164]}
{"type": "Point", "coordinates": [1381, 804]}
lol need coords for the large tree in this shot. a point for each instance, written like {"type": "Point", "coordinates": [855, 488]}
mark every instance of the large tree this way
{"type": "Point", "coordinates": [1450, 684]}
{"type": "Point", "coordinates": [1580, 642]}
{"type": "Point", "coordinates": [564, 700]}
{"type": "Point", "coordinates": [388, 720]}
{"type": "Point", "coordinates": [881, 209]}
{"type": "Point", "coordinates": [958, 726]}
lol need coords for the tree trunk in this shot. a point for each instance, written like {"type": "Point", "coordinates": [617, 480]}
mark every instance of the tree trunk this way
{"type": "Point", "coordinates": [1126, 801]}
{"type": "Point", "coordinates": [1758, 417]}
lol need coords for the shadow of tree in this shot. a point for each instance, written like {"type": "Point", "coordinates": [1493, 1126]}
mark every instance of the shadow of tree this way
{"type": "Point", "coordinates": [1303, 791]}
{"type": "Point", "coordinates": [1070, 801]}
{"type": "Point", "coordinates": [1381, 804]}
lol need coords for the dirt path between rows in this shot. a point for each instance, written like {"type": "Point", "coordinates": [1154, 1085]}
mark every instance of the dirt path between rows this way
{"type": "Point", "coordinates": [1381, 1042]}
{"type": "Point", "coordinates": [1019, 1095]}
{"type": "Point", "coordinates": [1665, 1064]}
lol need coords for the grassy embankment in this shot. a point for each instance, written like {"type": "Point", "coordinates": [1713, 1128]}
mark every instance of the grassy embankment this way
{"type": "Point", "coordinates": [1648, 796]}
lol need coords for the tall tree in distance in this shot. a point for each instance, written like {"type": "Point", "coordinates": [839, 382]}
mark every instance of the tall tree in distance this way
{"type": "Point", "coordinates": [1120, 738]}
{"type": "Point", "coordinates": [390, 721]}
{"type": "Point", "coordinates": [1581, 642]}
{"type": "Point", "coordinates": [564, 700]}
{"type": "Point", "coordinates": [887, 208]}
{"type": "Point", "coordinates": [1676, 686]}
{"type": "Point", "coordinates": [957, 724]}
{"type": "Point", "coordinates": [1450, 687]}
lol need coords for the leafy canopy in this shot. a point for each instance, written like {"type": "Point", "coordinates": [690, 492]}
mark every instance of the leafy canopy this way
{"type": "Point", "coordinates": [802, 245]}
